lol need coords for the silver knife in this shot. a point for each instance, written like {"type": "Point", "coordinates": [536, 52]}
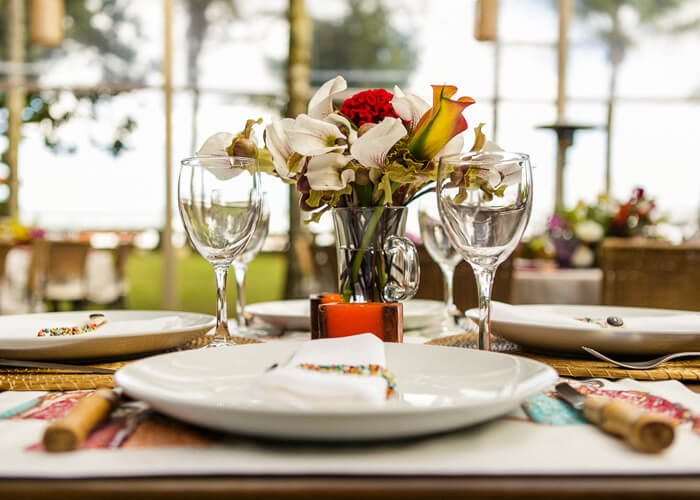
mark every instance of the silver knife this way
{"type": "Point", "coordinates": [56, 366]}
{"type": "Point", "coordinates": [643, 431]}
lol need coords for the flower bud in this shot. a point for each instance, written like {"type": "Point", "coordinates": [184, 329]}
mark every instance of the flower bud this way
{"type": "Point", "coordinates": [303, 185]}
{"type": "Point", "coordinates": [303, 205]}
{"type": "Point", "coordinates": [365, 127]}
{"type": "Point", "coordinates": [362, 176]}
{"type": "Point", "coordinates": [245, 148]}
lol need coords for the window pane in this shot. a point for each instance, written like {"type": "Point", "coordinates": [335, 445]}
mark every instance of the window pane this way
{"type": "Point", "coordinates": [659, 153]}
{"type": "Point", "coordinates": [105, 42]}
{"type": "Point", "coordinates": [90, 187]}
{"type": "Point", "coordinates": [231, 46]}
{"type": "Point", "coordinates": [528, 21]}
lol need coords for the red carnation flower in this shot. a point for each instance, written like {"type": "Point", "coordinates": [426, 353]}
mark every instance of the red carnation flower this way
{"type": "Point", "coordinates": [369, 106]}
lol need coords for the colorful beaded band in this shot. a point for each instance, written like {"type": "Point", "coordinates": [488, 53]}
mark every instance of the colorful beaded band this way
{"type": "Point", "coordinates": [365, 370]}
{"type": "Point", "coordinates": [96, 321]}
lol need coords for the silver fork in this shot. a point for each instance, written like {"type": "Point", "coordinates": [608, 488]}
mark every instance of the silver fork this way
{"type": "Point", "coordinates": [641, 365]}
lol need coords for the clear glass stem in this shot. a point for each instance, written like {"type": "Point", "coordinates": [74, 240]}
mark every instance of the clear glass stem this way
{"type": "Point", "coordinates": [484, 282]}
{"type": "Point", "coordinates": [240, 269]}
{"type": "Point", "coordinates": [221, 333]}
{"type": "Point", "coordinates": [448, 275]}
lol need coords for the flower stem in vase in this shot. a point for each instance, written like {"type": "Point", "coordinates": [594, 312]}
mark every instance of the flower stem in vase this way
{"type": "Point", "coordinates": [358, 257]}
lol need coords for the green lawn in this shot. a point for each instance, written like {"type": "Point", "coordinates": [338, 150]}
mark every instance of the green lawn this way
{"type": "Point", "coordinates": [195, 281]}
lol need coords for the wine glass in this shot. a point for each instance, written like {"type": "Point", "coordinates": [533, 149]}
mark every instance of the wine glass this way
{"type": "Point", "coordinates": [220, 205]}
{"type": "Point", "coordinates": [484, 199]}
{"type": "Point", "coordinates": [240, 267]}
{"type": "Point", "coordinates": [439, 247]}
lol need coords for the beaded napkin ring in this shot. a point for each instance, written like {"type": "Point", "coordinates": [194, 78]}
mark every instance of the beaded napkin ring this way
{"type": "Point", "coordinates": [364, 370]}
{"type": "Point", "coordinates": [96, 321]}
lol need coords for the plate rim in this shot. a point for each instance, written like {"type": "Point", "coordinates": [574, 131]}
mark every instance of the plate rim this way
{"type": "Point", "coordinates": [546, 370]}
{"type": "Point", "coordinates": [211, 322]}
{"type": "Point", "coordinates": [473, 314]}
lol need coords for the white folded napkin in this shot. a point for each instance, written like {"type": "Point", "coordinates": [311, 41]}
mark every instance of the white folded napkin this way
{"type": "Point", "coordinates": [506, 312]}
{"type": "Point", "coordinates": [293, 386]}
{"type": "Point", "coordinates": [667, 322]}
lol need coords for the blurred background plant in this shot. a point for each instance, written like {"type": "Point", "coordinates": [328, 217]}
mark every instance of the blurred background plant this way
{"type": "Point", "coordinates": [573, 235]}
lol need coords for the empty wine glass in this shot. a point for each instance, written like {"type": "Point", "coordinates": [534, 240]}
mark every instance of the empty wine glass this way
{"type": "Point", "coordinates": [240, 267]}
{"type": "Point", "coordinates": [484, 199]}
{"type": "Point", "coordinates": [220, 204]}
{"type": "Point", "coordinates": [439, 247]}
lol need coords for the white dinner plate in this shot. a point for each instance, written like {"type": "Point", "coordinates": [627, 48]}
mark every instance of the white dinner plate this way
{"type": "Point", "coordinates": [547, 337]}
{"type": "Point", "coordinates": [294, 314]}
{"type": "Point", "coordinates": [129, 332]}
{"type": "Point", "coordinates": [438, 389]}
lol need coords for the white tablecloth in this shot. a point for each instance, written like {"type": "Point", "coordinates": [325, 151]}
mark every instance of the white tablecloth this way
{"type": "Point", "coordinates": [557, 286]}
{"type": "Point", "coordinates": [510, 445]}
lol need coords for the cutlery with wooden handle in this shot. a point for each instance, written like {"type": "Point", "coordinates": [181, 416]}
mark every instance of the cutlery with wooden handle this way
{"type": "Point", "coordinates": [643, 431]}
{"type": "Point", "coordinates": [69, 432]}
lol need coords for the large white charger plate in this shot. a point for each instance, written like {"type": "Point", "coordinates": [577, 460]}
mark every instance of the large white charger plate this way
{"type": "Point", "coordinates": [547, 337]}
{"type": "Point", "coordinates": [295, 314]}
{"type": "Point", "coordinates": [19, 340]}
{"type": "Point", "coordinates": [439, 389]}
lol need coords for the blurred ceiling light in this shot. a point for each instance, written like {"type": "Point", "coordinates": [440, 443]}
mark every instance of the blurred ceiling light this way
{"type": "Point", "coordinates": [486, 27]}
{"type": "Point", "coordinates": [46, 22]}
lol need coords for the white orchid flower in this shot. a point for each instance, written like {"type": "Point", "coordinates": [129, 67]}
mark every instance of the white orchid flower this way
{"type": "Point", "coordinates": [409, 107]}
{"type": "Point", "coordinates": [343, 124]}
{"type": "Point", "coordinates": [216, 144]}
{"type": "Point", "coordinates": [311, 137]}
{"type": "Point", "coordinates": [371, 148]}
{"type": "Point", "coordinates": [321, 104]}
{"type": "Point", "coordinates": [325, 172]}
{"type": "Point", "coordinates": [497, 175]}
{"type": "Point", "coordinates": [277, 142]}
{"type": "Point", "coordinates": [508, 173]}
{"type": "Point", "coordinates": [220, 166]}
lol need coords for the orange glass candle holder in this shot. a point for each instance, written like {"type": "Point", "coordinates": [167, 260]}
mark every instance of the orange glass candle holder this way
{"type": "Point", "coordinates": [385, 320]}
{"type": "Point", "coordinates": [316, 300]}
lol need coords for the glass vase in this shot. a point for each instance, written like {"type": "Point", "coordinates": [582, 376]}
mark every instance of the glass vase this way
{"type": "Point", "coordinates": [376, 263]}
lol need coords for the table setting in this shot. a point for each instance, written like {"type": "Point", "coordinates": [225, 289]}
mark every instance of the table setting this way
{"type": "Point", "coordinates": [362, 381]}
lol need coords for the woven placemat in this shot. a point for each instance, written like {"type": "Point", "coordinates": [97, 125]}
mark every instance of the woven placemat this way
{"type": "Point", "coordinates": [685, 370]}
{"type": "Point", "coordinates": [45, 379]}
{"type": "Point", "coordinates": [42, 379]}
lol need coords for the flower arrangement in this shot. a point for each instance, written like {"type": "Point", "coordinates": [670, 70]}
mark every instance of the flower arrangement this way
{"type": "Point", "coordinates": [573, 235]}
{"type": "Point", "coordinates": [11, 231]}
{"type": "Point", "coordinates": [378, 148]}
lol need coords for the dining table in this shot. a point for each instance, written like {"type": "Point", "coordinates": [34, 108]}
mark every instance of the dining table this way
{"type": "Point", "coordinates": [497, 459]}
{"type": "Point", "coordinates": [554, 285]}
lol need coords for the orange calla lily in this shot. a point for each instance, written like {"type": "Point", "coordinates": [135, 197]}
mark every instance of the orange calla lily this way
{"type": "Point", "coordinates": [439, 124]}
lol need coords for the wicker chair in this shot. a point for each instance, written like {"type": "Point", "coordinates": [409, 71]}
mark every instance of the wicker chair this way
{"type": "Point", "coordinates": [57, 272]}
{"type": "Point", "coordinates": [466, 296]}
{"type": "Point", "coordinates": [649, 273]}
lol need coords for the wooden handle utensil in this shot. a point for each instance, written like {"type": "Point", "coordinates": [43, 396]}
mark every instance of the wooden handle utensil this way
{"type": "Point", "coordinates": [647, 432]}
{"type": "Point", "coordinates": [69, 432]}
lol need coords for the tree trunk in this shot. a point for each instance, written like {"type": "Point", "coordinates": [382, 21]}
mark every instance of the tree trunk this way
{"type": "Point", "coordinates": [16, 97]}
{"type": "Point", "coordinates": [616, 55]}
{"type": "Point", "coordinates": [299, 276]}
{"type": "Point", "coordinates": [196, 30]}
